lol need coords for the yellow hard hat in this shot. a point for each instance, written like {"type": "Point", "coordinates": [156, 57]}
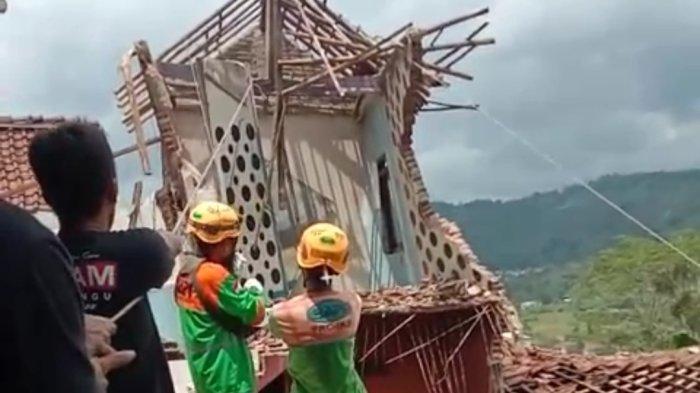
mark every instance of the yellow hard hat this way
{"type": "Point", "coordinates": [323, 245]}
{"type": "Point", "coordinates": [212, 222]}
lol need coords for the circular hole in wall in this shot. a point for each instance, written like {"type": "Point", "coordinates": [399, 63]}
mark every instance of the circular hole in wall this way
{"type": "Point", "coordinates": [250, 223]}
{"type": "Point", "coordinates": [267, 220]}
{"type": "Point", "coordinates": [255, 161]}
{"type": "Point", "coordinates": [276, 275]}
{"type": "Point", "coordinates": [461, 262]}
{"type": "Point", "coordinates": [245, 192]}
{"type": "Point", "coordinates": [252, 178]}
{"type": "Point", "coordinates": [246, 148]}
{"type": "Point", "coordinates": [225, 164]}
{"type": "Point", "coordinates": [260, 190]}
{"type": "Point", "coordinates": [235, 133]}
{"type": "Point", "coordinates": [240, 163]}
{"type": "Point", "coordinates": [255, 252]}
{"type": "Point", "coordinates": [271, 248]}
{"type": "Point", "coordinates": [235, 180]}
{"type": "Point", "coordinates": [441, 265]}
{"type": "Point", "coordinates": [250, 131]}
{"type": "Point", "coordinates": [419, 242]}
{"type": "Point", "coordinates": [218, 133]}
{"type": "Point", "coordinates": [433, 239]}
{"type": "Point", "coordinates": [266, 264]}
{"type": "Point", "coordinates": [448, 251]}
{"type": "Point", "coordinates": [230, 196]}
{"type": "Point", "coordinates": [260, 278]}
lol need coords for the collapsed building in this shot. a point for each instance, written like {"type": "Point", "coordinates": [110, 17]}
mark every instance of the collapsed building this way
{"type": "Point", "coordinates": [286, 111]}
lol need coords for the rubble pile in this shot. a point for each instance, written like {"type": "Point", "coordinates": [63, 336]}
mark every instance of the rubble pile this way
{"type": "Point", "coordinates": [427, 297]}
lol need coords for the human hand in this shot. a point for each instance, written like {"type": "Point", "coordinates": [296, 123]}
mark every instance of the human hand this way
{"type": "Point", "coordinates": [107, 360]}
{"type": "Point", "coordinates": [98, 333]}
{"type": "Point", "coordinates": [104, 358]}
{"type": "Point", "coordinates": [173, 241]}
{"type": "Point", "coordinates": [253, 285]}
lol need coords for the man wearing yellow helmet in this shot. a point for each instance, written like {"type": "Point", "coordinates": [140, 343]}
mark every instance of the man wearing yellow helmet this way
{"type": "Point", "coordinates": [319, 326]}
{"type": "Point", "coordinates": [216, 308]}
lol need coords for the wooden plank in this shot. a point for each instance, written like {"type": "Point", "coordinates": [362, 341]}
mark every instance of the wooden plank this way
{"type": "Point", "coordinates": [125, 68]}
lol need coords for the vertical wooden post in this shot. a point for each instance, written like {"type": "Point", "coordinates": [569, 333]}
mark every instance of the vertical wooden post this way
{"type": "Point", "coordinates": [136, 204]}
{"type": "Point", "coordinates": [273, 41]}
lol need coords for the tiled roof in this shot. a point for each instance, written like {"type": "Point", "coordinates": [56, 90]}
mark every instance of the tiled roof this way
{"type": "Point", "coordinates": [15, 173]}
{"type": "Point", "coordinates": [539, 370]}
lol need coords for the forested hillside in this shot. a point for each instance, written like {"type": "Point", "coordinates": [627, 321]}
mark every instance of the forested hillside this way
{"type": "Point", "coordinates": [571, 225]}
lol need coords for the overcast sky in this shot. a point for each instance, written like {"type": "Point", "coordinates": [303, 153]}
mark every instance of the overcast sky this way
{"type": "Point", "coordinates": [602, 86]}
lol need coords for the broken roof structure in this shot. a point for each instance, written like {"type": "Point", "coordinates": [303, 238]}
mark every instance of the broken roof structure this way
{"type": "Point", "coordinates": [285, 110]}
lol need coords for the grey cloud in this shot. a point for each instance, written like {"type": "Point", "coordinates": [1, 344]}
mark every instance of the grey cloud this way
{"type": "Point", "coordinates": [602, 86]}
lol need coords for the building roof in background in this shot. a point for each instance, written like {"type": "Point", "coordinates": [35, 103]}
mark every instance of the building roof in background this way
{"type": "Point", "coordinates": [17, 184]}
{"type": "Point", "coordinates": [540, 370]}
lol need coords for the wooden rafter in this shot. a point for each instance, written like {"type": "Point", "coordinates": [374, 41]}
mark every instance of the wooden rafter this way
{"type": "Point", "coordinates": [459, 45]}
{"type": "Point", "coordinates": [317, 43]}
{"type": "Point", "coordinates": [371, 52]}
{"type": "Point", "coordinates": [454, 51]}
{"type": "Point", "coordinates": [454, 21]}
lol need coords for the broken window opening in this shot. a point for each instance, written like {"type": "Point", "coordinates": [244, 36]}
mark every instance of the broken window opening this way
{"type": "Point", "coordinates": [390, 242]}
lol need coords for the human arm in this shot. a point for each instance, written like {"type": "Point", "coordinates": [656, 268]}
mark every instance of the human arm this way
{"type": "Point", "coordinates": [219, 290]}
{"type": "Point", "coordinates": [47, 322]}
{"type": "Point", "coordinates": [149, 259]}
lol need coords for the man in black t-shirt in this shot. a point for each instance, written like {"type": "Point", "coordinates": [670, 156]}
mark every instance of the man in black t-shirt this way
{"type": "Point", "coordinates": [42, 333]}
{"type": "Point", "coordinates": [75, 168]}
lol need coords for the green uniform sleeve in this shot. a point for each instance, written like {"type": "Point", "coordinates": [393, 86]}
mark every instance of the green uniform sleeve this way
{"type": "Point", "coordinates": [220, 290]}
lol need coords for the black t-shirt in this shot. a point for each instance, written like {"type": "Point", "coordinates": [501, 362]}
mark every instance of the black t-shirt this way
{"type": "Point", "coordinates": [42, 337]}
{"type": "Point", "coordinates": [112, 269]}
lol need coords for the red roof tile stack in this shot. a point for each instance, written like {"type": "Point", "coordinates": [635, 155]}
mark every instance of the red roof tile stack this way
{"type": "Point", "coordinates": [536, 370]}
{"type": "Point", "coordinates": [15, 173]}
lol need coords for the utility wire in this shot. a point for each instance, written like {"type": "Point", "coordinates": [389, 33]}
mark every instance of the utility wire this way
{"type": "Point", "coordinates": [546, 157]}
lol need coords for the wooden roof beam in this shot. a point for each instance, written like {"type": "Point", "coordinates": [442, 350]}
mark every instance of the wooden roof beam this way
{"type": "Point", "coordinates": [273, 41]}
{"type": "Point", "coordinates": [200, 30]}
{"type": "Point", "coordinates": [317, 43]}
{"type": "Point", "coordinates": [243, 19]}
{"type": "Point", "coordinates": [330, 41]}
{"type": "Point", "coordinates": [469, 37]}
{"type": "Point", "coordinates": [349, 30]}
{"type": "Point", "coordinates": [371, 52]}
{"type": "Point", "coordinates": [442, 70]}
{"type": "Point", "coordinates": [459, 45]}
{"type": "Point", "coordinates": [454, 21]}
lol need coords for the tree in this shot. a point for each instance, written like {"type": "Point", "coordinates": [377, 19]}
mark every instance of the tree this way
{"type": "Point", "coordinates": [641, 295]}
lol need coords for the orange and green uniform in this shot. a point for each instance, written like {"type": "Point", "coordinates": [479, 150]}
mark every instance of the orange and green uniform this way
{"type": "Point", "coordinates": [215, 313]}
{"type": "Point", "coordinates": [320, 331]}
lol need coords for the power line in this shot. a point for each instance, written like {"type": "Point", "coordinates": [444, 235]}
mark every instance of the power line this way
{"type": "Point", "coordinates": [525, 142]}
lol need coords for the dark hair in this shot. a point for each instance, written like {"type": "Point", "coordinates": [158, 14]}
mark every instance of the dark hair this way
{"type": "Point", "coordinates": [74, 166]}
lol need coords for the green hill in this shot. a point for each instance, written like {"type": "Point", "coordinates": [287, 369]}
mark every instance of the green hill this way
{"type": "Point", "coordinates": [569, 225]}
